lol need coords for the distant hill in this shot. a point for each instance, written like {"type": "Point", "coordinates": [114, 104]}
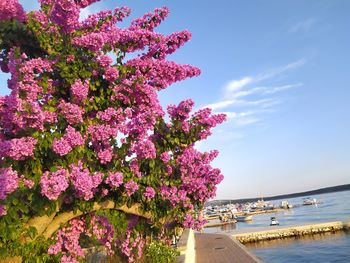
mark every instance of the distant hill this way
{"type": "Point", "coordinates": [325, 190]}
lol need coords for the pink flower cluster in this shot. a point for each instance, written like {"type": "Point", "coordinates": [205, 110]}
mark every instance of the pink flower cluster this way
{"type": "Point", "coordinates": [27, 182]}
{"type": "Point", "coordinates": [149, 192]}
{"type": "Point", "coordinates": [150, 20]}
{"type": "Point", "coordinates": [162, 73]}
{"type": "Point", "coordinates": [18, 149]}
{"type": "Point", "coordinates": [3, 210]}
{"type": "Point", "coordinates": [199, 179]}
{"type": "Point", "coordinates": [8, 182]}
{"type": "Point", "coordinates": [134, 167]}
{"type": "Point", "coordinates": [80, 90]}
{"type": "Point", "coordinates": [132, 245]}
{"type": "Point", "coordinates": [182, 111]}
{"type": "Point", "coordinates": [85, 184]}
{"type": "Point", "coordinates": [111, 74]}
{"type": "Point", "coordinates": [72, 112]}
{"type": "Point", "coordinates": [175, 196]}
{"type": "Point", "coordinates": [168, 45]}
{"type": "Point", "coordinates": [131, 187]}
{"type": "Point", "coordinates": [11, 9]}
{"type": "Point", "coordinates": [101, 136]}
{"type": "Point", "coordinates": [67, 142]}
{"type": "Point", "coordinates": [65, 13]}
{"type": "Point", "coordinates": [204, 118]}
{"type": "Point", "coordinates": [67, 238]}
{"type": "Point", "coordinates": [193, 222]}
{"type": "Point", "coordinates": [54, 183]}
{"type": "Point", "coordinates": [165, 157]}
{"type": "Point", "coordinates": [144, 149]}
{"type": "Point", "coordinates": [114, 179]}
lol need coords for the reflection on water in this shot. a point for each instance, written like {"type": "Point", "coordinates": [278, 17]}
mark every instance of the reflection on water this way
{"type": "Point", "coordinates": [303, 240]}
{"type": "Point", "coordinates": [317, 248]}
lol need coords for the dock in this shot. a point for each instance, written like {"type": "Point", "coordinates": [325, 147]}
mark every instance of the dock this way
{"type": "Point", "coordinates": [221, 248]}
{"type": "Point", "coordinates": [249, 213]}
{"type": "Point", "coordinates": [219, 224]}
{"type": "Point", "coordinates": [271, 233]}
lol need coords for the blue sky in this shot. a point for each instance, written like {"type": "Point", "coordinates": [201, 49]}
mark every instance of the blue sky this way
{"type": "Point", "coordinates": [280, 70]}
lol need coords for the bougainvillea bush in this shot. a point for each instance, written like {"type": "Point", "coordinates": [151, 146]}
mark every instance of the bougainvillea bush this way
{"type": "Point", "coordinates": [88, 155]}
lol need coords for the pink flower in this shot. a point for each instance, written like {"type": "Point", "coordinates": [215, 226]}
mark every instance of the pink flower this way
{"type": "Point", "coordinates": [149, 192]}
{"type": "Point", "coordinates": [27, 182]}
{"type": "Point", "coordinates": [61, 146]}
{"type": "Point", "coordinates": [11, 9]}
{"type": "Point", "coordinates": [67, 142]}
{"type": "Point", "coordinates": [111, 74]}
{"type": "Point", "coordinates": [131, 187]}
{"type": "Point", "coordinates": [165, 157]}
{"type": "Point", "coordinates": [145, 149]}
{"type": "Point", "coordinates": [72, 112]}
{"type": "Point", "coordinates": [65, 13]}
{"type": "Point", "coordinates": [53, 184]}
{"type": "Point", "coordinates": [80, 90]}
{"type": "Point", "coordinates": [114, 179]}
{"type": "Point", "coordinates": [8, 182]}
{"type": "Point", "coordinates": [85, 184]}
{"type": "Point", "coordinates": [105, 155]}
{"type": "Point", "coordinates": [18, 149]}
{"type": "Point", "coordinates": [3, 210]}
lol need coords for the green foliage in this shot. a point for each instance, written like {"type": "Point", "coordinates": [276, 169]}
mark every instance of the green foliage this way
{"type": "Point", "coordinates": [160, 253]}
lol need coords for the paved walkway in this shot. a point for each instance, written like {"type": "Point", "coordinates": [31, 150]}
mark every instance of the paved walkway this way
{"type": "Point", "coordinates": [218, 248]}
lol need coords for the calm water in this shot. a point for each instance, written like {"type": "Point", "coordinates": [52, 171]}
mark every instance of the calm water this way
{"type": "Point", "coordinates": [320, 248]}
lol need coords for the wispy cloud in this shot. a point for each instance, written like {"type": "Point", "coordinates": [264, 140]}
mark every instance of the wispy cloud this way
{"type": "Point", "coordinates": [233, 88]}
{"type": "Point", "coordinates": [235, 85]}
{"type": "Point", "coordinates": [247, 99]}
{"type": "Point", "coordinates": [303, 26]}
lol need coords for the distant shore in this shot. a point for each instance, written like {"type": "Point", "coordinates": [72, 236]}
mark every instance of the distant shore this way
{"type": "Point", "coordinates": [332, 189]}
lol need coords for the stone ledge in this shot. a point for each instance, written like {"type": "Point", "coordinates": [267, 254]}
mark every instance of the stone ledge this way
{"type": "Point", "coordinates": [292, 231]}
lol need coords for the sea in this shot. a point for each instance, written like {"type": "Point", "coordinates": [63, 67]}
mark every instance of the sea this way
{"type": "Point", "coordinates": [320, 248]}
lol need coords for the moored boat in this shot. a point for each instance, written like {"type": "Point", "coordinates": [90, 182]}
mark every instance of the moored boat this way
{"type": "Point", "coordinates": [310, 201]}
{"type": "Point", "coordinates": [274, 222]}
{"type": "Point", "coordinates": [244, 218]}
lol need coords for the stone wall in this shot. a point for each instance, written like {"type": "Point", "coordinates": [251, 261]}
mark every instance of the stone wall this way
{"type": "Point", "coordinates": [186, 247]}
{"type": "Point", "coordinates": [294, 231]}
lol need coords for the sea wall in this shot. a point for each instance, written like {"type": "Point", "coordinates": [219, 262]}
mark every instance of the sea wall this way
{"type": "Point", "coordinates": [186, 247]}
{"type": "Point", "coordinates": [293, 231]}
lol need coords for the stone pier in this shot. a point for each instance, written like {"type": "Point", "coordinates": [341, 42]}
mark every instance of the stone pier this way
{"type": "Point", "coordinates": [292, 231]}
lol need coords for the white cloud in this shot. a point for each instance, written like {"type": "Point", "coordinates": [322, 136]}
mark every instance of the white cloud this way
{"type": "Point", "coordinates": [229, 114]}
{"type": "Point", "coordinates": [303, 26]}
{"type": "Point", "coordinates": [273, 90]}
{"type": "Point", "coordinates": [220, 104]}
{"type": "Point", "coordinates": [235, 85]}
{"type": "Point", "coordinates": [280, 70]}
{"type": "Point", "coordinates": [246, 121]}
{"type": "Point", "coordinates": [244, 102]}
{"type": "Point", "coordinates": [235, 88]}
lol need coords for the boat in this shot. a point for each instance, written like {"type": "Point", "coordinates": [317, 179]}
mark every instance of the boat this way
{"type": "Point", "coordinates": [285, 205]}
{"type": "Point", "coordinates": [274, 222]}
{"type": "Point", "coordinates": [310, 201]}
{"type": "Point", "coordinates": [244, 218]}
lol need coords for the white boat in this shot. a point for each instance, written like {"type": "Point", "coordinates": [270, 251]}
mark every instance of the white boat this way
{"type": "Point", "coordinates": [244, 218]}
{"type": "Point", "coordinates": [274, 222]}
{"type": "Point", "coordinates": [285, 205]}
{"type": "Point", "coordinates": [310, 201]}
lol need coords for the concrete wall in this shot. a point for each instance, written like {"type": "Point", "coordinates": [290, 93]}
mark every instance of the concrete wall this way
{"type": "Point", "coordinates": [186, 247]}
{"type": "Point", "coordinates": [294, 231]}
